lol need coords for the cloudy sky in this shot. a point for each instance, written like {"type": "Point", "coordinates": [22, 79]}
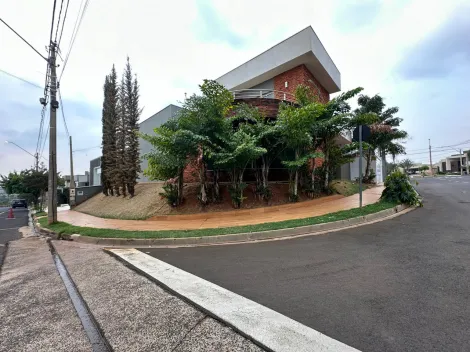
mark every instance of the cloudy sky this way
{"type": "Point", "coordinates": [415, 53]}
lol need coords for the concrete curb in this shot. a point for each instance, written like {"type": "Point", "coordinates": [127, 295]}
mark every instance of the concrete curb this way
{"type": "Point", "coordinates": [231, 238]}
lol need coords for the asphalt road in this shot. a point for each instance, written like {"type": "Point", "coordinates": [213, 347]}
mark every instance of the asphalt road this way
{"type": "Point", "coordinates": [398, 285]}
{"type": "Point", "coordinates": [9, 227]}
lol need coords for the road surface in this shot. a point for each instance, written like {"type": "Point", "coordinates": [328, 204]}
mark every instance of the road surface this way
{"type": "Point", "coordinates": [9, 227]}
{"type": "Point", "coordinates": [397, 285]}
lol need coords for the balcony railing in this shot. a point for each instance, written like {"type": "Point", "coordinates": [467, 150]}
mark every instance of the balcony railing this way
{"type": "Point", "coordinates": [262, 93]}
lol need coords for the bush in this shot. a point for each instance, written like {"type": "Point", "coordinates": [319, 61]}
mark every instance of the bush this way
{"type": "Point", "coordinates": [170, 192]}
{"type": "Point", "coordinates": [398, 189]}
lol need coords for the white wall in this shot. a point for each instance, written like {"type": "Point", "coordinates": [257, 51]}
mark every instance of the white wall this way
{"type": "Point", "coordinates": [354, 168]}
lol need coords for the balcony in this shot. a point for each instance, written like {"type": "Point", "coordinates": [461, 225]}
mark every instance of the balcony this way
{"type": "Point", "coordinates": [262, 94]}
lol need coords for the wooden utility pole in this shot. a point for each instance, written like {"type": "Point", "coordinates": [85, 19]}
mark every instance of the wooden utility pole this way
{"type": "Point", "coordinates": [430, 158]}
{"type": "Point", "coordinates": [52, 186]}
{"type": "Point", "coordinates": [72, 180]}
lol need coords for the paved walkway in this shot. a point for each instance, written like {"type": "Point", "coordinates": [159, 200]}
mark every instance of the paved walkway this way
{"type": "Point", "coordinates": [301, 210]}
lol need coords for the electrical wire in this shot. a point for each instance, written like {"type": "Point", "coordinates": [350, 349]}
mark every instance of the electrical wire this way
{"type": "Point", "coordinates": [74, 34]}
{"type": "Point", "coordinates": [32, 47]}
{"type": "Point", "coordinates": [85, 149]}
{"type": "Point", "coordinates": [58, 20]}
{"type": "Point", "coordinates": [63, 23]}
{"type": "Point", "coordinates": [52, 23]}
{"type": "Point", "coordinates": [21, 79]}
{"type": "Point", "coordinates": [63, 115]}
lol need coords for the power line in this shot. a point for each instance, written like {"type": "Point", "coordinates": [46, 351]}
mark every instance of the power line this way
{"type": "Point", "coordinates": [41, 130]}
{"type": "Point", "coordinates": [84, 149]}
{"type": "Point", "coordinates": [32, 47]}
{"type": "Point", "coordinates": [58, 20]}
{"type": "Point", "coordinates": [52, 23]}
{"type": "Point", "coordinates": [45, 139]}
{"type": "Point", "coordinates": [21, 79]}
{"type": "Point", "coordinates": [63, 23]}
{"type": "Point", "coordinates": [63, 115]}
{"type": "Point", "coordinates": [78, 22]}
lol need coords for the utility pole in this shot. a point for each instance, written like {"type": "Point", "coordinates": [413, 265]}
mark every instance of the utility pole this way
{"type": "Point", "coordinates": [72, 180]}
{"type": "Point", "coordinates": [430, 158]}
{"type": "Point", "coordinates": [360, 166]}
{"type": "Point", "coordinates": [36, 156]}
{"type": "Point", "coordinates": [52, 186]}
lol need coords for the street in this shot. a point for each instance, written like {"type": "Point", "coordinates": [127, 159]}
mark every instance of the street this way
{"type": "Point", "coordinates": [398, 285]}
{"type": "Point", "coordinates": [9, 227]}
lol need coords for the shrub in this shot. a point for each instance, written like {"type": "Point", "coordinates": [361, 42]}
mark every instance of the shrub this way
{"type": "Point", "coordinates": [399, 189]}
{"type": "Point", "coordinates": [170, 192]}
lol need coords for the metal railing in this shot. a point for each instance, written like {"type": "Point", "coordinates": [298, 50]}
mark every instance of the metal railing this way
{"type": "Point", "coordinates": [262, 93]}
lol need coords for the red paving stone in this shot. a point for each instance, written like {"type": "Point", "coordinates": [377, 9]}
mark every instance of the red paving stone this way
{"type": "Point", "coordinates": [315, 207]}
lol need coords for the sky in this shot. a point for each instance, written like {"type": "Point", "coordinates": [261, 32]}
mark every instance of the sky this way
{"type": "Point", "coordinates": [414, 53]}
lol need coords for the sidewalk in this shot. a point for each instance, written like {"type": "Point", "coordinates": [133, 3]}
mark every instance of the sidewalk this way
{"type": "Point", "coordinates": [134, 314]}
{"type": "Point", "coordinates": [301, 210]}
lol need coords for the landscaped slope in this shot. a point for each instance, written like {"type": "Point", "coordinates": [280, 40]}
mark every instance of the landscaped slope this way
{"type": "Point", "coordinates": [146, 203]}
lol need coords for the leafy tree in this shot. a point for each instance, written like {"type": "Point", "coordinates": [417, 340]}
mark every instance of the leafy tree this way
{"type": "Point", "coordinates": [13, 183]}
{"type": "Point", "coordinates": [119, 176]}
{"type": "Point", "coordinates": [385, 134]}
{"type": "Point", "coordinates": [406, 164]}
{"type": "Point", "coordinates": [170, 156]}
{"type": "Point", "coordinates": [295, 123]}
{"type": "Point", "coordinates": [130, 115]}
{"type": "Point", "coordinates": [240, 149]}
{"type": "Point", "coordinates": [205, 117]}
{"type": "Point", "coordinates": [269, 137]}
{"type": "Point", "coordinates": [334, 120]}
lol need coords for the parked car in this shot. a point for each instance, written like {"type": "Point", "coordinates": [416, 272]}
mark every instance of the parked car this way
{"type": "Point", "coordinates": [19, 203]}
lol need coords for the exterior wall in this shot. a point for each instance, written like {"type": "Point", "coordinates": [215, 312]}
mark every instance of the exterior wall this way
{"type": "Point", "coordinates": [95, 179]}
{"type": "Point", "coordinates": [84, 193]}
{"type": "Point", "coordinates": [147, 126]}
{"type": "Point", "coordinates": [354, 168]}
{"type": "Point", "coordinates": [267, 107]}
{"type": "Point", "coordinates": [269, 84]}
{"type": "Point", "coordinates": [294, 77]}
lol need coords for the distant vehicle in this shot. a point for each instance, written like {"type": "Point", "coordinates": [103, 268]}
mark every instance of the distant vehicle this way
{"type": "Point", "coordinates": [19, 203]}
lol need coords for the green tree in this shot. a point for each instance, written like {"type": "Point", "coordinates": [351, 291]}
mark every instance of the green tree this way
{"type": "Point", "coordinates": [13, 183]}
{"type": "Point", "coordinates": [334, 120]}
{"type": "Point", "coordinates": [240, 149]}
{"type": "Point", "coordinates": [119, 176]}
{"type": "Point", "coordinates": [296, 123]}
{"type": "Point", "coordinates": [170, 155]}
{"type": "Point", "coordinates": [385, 134]}
{"type": "Point", "coordinates": [406, 164]}
{"type": "Point", "coordinates": [131, 114]}
{"type": "Point", "coordinates": [205, 117]}
{"type": "Point", "coordinates": [109, 121]}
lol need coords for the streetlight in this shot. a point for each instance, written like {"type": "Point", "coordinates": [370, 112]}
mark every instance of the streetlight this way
{"type": "Point", "coordinates": [34, 156]}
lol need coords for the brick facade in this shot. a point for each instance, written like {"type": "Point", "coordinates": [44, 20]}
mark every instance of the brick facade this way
{"type": "Point", "coordinates": [294, 77]}
{"type": "Point", "coordinates": [267, 107]}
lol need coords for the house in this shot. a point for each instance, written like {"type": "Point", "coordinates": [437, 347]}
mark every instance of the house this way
{"type": "Point", "coordinates": [95, 172]}
{"type": "Point", "coordinates": [80, 180]}
{"type": "Point", "coordinates": [454, 163]}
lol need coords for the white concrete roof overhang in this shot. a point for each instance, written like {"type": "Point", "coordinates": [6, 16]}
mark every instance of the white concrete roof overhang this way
{"type": "Point", "coordinates": [303, 47]}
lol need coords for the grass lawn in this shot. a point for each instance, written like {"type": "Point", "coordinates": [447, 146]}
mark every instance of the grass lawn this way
{"type": "Point", "coordinates": [40, 213]}
{"type": "Point", "coordinates": [65, 228]}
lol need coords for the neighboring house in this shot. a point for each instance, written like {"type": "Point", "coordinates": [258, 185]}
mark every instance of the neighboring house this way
{"type": "Point", "coordinates": [95, 172]}
{"type": "Point", "coordinates": [80, 180]}
{"type": "Point", "coordinates": [147, 126]}
{"type": "Point", "coordinates": [454, 163]}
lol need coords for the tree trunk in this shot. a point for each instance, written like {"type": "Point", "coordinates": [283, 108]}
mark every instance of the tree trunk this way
{"type": "Point", "coordinates": [327, 169]}
{"type": "Point", "coordinates": [368, 160]}
{"type": "Point", "coordinates": [384, 164]}
{"type": "Point", "coordinates": [202, 179]}
{"type": "Point", "coordinates": [180, 185]}
{"type": "Point", "coordinates": [312, 189]}
{"type": "Point", "coordinates": [265, 173]}
{"type": "Point", "coordinates": [216, 185]}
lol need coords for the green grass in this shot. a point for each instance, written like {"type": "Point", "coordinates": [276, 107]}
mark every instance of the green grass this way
{"type": "Point", "coordinates": [40, 213]}
{"type": "Point", "coordinates": [65, 228]}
